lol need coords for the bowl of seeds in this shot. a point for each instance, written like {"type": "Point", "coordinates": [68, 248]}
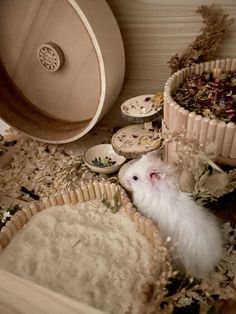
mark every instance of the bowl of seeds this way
{"type": "Point", "coordinates": [103, 159]}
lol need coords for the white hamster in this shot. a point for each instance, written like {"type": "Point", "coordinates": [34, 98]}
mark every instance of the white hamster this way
{"type": "Point", "coordinates": [193, 230]}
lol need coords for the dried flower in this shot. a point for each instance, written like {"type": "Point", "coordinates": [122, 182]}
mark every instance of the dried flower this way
{"type": "Point", "coordinates": [114, 204]}
{"type": "Point", "coordinates": [203, 48]}
{"type": "Point", "coordinates": [210, 96]}
{"type": "Point", "coordinates": [198, 173]}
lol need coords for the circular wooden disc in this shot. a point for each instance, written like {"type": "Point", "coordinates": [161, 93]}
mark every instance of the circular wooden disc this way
{"type": "Point", "coordinates": [140, 109]}
{"type": "Point", "coordinates": [134, 140]}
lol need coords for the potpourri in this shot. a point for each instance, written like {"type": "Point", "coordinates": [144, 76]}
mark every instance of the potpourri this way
{"type": "Point", "coordinates": [211, 94]}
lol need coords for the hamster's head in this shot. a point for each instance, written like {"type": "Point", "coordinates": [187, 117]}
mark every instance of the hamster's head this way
{"type": "Point", "coordinates": [149, 172]}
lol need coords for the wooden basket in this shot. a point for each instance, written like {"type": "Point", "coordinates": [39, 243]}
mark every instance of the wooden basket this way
{"type": "Point", "coordinates": [90, 191]}
{"type": "Point", "coordinates": [203, 129]}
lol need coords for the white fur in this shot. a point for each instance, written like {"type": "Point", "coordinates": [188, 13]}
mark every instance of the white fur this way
{"type": "Point", "coordinates": [192, 228]}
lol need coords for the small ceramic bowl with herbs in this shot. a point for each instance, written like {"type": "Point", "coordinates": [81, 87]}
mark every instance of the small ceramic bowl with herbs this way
{"type": "Point", "coordinates": [102, 159]}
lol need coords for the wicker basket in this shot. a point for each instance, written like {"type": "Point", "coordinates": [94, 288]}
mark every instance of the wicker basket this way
{"type": "Point", "coordinates": [203, 129]}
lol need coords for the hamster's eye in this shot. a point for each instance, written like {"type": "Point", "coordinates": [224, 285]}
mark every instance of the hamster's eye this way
{"type": "Point", "coordinates": [135, 178]}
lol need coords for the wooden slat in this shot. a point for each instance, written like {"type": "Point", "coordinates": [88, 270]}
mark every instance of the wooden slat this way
{"type": "Point", "coordinates": [21, 296]}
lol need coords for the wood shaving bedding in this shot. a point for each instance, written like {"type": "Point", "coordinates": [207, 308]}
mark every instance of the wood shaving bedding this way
{"type": "Point", "coordinates": [40, 167]}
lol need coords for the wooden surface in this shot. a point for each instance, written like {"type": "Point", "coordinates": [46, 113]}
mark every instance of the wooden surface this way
{"type": "Point", "coordinates": [22, 296]}
{"type": "Point", "coordinates": [153, 31]}
{"type": "Point", "coordinates": [136, 139]}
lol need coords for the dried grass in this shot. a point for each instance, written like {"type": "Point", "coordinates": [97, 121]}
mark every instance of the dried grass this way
{"type": "Point", "coordinates": [198, 173]}
{"type": "Point", "coordinates": [203, 48]}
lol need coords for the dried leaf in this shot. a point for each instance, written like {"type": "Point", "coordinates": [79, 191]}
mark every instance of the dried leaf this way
{"type": "Point", "coordinates": [113, 205]}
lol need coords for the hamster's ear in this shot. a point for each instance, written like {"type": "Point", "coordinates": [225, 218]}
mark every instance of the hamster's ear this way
{"type": "Point", "coordinates": [153, 155]}
{"type": "Point", "coordinates": [156, 175]}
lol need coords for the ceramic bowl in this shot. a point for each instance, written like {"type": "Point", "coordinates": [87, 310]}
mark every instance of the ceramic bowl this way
{"type": "Point", "coordinates": [105, 154]}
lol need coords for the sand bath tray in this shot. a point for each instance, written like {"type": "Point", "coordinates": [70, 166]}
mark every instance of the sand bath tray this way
{"type": "Point", "coordinates": [92, 250]}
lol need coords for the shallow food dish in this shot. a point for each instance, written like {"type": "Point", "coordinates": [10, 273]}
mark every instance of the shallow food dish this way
{"type": "Point", "coordinates": [103, 159]}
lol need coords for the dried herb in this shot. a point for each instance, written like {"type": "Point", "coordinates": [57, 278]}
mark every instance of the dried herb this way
{"type": "Point", "coordinates": [106, 162]}
{"type": "Point", "coordinates": [198, 174]}
{"type": "Point", "coordinates": [203, 48]}
{"type": "Point", "coordinates": [114, 205]}
{"type": "Point", "coordinates": [210, 95]}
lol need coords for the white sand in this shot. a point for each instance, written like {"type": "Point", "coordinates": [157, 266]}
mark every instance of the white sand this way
{"type": "Point", "coordinates": [85, 252]}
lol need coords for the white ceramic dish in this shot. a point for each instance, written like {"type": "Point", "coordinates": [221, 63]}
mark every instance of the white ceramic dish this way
{"type": "Point", "coordinates": [105, 152]}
